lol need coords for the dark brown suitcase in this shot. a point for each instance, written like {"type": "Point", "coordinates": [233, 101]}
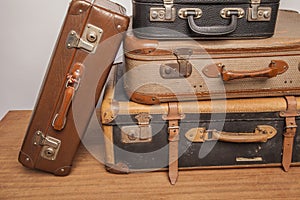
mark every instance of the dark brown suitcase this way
{"type": "Point", "coordinates": [234, 133]}
{"type": "Point", "coordinates": [161, 71]}
{"type": "Point", "coordinates": [84, 53]}
{"type": "Point", "coordinates": [204, 19]}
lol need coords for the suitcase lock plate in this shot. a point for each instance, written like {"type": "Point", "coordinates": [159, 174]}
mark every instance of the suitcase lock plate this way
{"type": "Point", "coordinates": [182, 69]}
{"type": "Point", "coordinates": [138, 133]}
{"type": "Point", "coordinates": [257, 13]}
{"type": "Point", "coordinates": [89, 40]}
{"type": "Point", "coordinates": [163, 14]}
{"type": "Point", "coordinates": [50, 145]}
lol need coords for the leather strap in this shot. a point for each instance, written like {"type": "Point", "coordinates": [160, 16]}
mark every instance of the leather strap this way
{"type": "Point", "coordinates": [173, 117]}
{"type": "Point", "coordinates": [290, 131]}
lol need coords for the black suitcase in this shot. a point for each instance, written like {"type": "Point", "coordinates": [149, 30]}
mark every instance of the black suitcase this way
{"type": "Point", "coordinates": [203, 19]}
{"type": "Point", "coordinates": [256, 132]}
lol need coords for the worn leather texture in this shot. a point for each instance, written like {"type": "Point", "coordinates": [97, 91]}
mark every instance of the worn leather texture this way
{"type": "Point", "coordinates": [95, 70]}
{"type": "Point", "coordinates": [237, 115]}
{"type": "Point", "coordinates": [248, 62]}
{"type": "Point", "coordinates": [144, 28]}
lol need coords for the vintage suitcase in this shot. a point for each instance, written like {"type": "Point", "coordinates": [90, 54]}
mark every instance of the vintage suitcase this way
{"type": "Point", "coordinates": [249, 132]}
{"type": "Point", "coordinates": [163, 71]}
{"type": "Point", "coordinates": [204, 19]}
{"type": "Point", "coordinates": [85, 50]}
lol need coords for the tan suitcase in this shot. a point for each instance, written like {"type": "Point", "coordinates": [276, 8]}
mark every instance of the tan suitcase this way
{"type": "Point", "coordinates": [85, 50]}
{"type": "Point", "coordinates": [163, 71]}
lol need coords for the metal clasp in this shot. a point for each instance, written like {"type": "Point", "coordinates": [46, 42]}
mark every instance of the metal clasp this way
{"type": "Point", "coordinates": [50, 145]}
{"type": "Point", "coordinates": [138, 133]}
{"type": "Point", "coordinates": [182, 69]}
{"type": "Point", "coordinates": [257, 13]}
{"type": "Point", "coordinates": [228, 12]}
{"type": "Point", "coordinates": [166, 14]}
{"type": "Point", "coordinates": [183, 13]}
{"type": "Point", "coordinates": [89, 40]}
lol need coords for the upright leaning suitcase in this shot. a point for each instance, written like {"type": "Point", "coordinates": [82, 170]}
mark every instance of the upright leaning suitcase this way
{"type": "Point", "coordinates": [81, 61]}
{"type": "Point", "coordinates": [204, 19]}
{"type": "Point", "coordinates": [163, 71]}
{"type": "Point", "coordinates": [249, 132]}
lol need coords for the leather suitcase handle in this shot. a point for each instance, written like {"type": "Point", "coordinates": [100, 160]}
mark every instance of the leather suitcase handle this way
{"type": "Point", "coordinates": [275, 68]}
{"type": "Point", "coordinates": [262, 133]}
{"type": "Point", "coordinates": [72, 84]}
{"type": "Point", "coordinates": [213, 30]}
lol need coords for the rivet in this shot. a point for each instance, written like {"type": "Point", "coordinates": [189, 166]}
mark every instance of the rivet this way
{"type": "Point", "coordinates": [168, 70]}
{"type": "Point", "coordinates": [154, 14]}
{"type": "Point", "coordinates": [267, 14]}
{"type": "Point", "coordinates": [27, 159]}
{"type": "Point", "coordinates": [62, 170]}
{"type": "Point", "coordinates": [80, 11]}
{"type": "Point", "coordinates": [119, 27]}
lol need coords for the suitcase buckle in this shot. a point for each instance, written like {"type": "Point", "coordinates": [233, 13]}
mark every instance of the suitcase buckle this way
{"type": "Point", "coordinates": [257, 13]}
{"type": "Point", "coordinates": [182, 69]}
{"type": "Point", "coordinates": [89, 40]}
{"type": "Point", "coordinates": [50, 145]}
{"type": "Point", "coordinates": [138, 133]}
{"type": "Point", "coordinates": [166, 14]}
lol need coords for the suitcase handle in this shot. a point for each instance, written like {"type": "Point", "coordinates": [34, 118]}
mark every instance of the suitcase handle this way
{"type": "Point", "coordinates": [72, 84]}
{"type": "Point", "coordinates": [262, 133]}
{"type": "Point", "coordinates": [275, 68]}
{"type": "Point", "coordinates": [214, 30]}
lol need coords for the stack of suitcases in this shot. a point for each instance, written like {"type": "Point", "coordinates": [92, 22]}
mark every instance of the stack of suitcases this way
{"type": "Point", "coordinates": [204, 84]}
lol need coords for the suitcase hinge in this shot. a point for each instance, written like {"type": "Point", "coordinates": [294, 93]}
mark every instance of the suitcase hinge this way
{"type": "Point", "coordinates": [50, 145]}
{"type": "Point", "coordinates": [182, 69]}
{"type": "Point", "coordinates": [257, 13]}
{"type": "Point", "coordinates": [166, 14]}
{"type": "Point", "coordinates": [89, 40]}
{"type": "Point", "coordinates": [138, 133]}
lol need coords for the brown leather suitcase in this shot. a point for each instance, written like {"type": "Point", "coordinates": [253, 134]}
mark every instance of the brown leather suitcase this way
{"type": "Point", "coordinates": [84, 53]}
{"type": "Point", "coordinates": [233, 133]}
{"type": "Point", "coordinates": [162, 71]}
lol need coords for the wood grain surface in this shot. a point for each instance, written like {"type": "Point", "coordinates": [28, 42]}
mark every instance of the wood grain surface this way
{"type": "Point", "coordinates": [89, 179]}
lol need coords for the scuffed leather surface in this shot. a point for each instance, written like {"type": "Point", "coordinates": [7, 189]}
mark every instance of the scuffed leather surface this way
{"type": "Point", "coordinates": [211, 17]}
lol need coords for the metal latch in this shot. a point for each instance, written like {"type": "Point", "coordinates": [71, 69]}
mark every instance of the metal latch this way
{"type": "Point", "coordinates": [182, 69]}
{"type": "Point", "coordinates": [166, 14]}
{"type": "Point", "coordinates": [50, 145]}
{"type": "Point", "coordinates": [89, 40]}
{"type": "Point", "coordinates": [138, 133]}
{"type": "Point", "coordinates": [257, 13]}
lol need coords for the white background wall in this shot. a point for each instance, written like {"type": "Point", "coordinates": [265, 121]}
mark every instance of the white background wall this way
{"type": "Point", "coordinates": [29, 29]}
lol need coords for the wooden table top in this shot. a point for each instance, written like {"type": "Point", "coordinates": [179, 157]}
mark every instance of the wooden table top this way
{"type": "Point", "coordinates": [90, 180]}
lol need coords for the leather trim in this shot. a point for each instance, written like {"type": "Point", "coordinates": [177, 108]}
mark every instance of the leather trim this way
{"type": "Point", "coordinates": [290, 131]}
